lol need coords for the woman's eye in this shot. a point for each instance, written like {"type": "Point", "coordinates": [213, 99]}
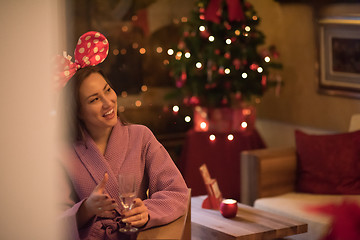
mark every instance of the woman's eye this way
{"type": "Point", "coordinates": [93, 100]}
{"type": "Point", "coordinates": [108, 90]}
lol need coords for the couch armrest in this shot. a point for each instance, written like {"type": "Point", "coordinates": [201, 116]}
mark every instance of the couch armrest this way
{"type": "Point", "coordinates": [267, 172]}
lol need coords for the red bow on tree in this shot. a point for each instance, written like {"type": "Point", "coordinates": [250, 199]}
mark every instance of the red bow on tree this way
{"type": "Point", "coordinates": [235, 11]}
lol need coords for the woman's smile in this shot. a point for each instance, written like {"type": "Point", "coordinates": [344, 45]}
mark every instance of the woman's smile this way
{"type": "Point", "coordinates": [109, 115]}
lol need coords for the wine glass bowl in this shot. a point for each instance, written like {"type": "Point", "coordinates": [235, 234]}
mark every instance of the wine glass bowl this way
{"type": "Point", "coordinates": [127, 194]}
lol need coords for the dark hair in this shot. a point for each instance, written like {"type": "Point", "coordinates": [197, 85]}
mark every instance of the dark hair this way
{"type": "Point", "coordinates": [74, 125]}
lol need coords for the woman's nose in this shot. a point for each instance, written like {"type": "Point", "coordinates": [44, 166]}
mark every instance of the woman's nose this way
{"type": "Point", "coordinates": [106, 102]}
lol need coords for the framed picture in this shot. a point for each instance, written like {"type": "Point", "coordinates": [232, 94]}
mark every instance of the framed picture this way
{"type": "Point", "coordinates": [340, 56]}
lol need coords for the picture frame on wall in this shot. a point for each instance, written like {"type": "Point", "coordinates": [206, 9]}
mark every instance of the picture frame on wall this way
{"type": "Point", "coordinates": [340, 56]}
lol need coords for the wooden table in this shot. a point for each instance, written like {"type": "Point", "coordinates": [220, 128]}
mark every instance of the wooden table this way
{"type": "Point", "coordinates": [249, 224]}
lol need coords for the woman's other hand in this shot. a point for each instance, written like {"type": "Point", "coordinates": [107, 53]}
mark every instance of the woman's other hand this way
{"type": "Point", "coordinates": [138, 216]}
{"type": "Point", "coordinates": [98, 203]}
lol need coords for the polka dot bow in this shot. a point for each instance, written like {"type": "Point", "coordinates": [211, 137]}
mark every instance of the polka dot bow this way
{"type": "Point", "coordinates": [91, 49]}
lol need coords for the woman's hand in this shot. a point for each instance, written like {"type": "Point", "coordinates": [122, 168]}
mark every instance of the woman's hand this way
{"type": "Point", "coordinates": [98, 203]}
{"type": "Point", "coordinates": [138, 216]}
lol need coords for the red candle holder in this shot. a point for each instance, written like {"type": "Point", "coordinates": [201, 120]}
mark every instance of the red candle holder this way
{"type": "Point", "coordinates": [228, 208]}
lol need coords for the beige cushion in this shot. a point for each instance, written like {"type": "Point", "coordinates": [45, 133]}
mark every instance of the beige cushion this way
{"type": "Point", "coordinates": [354, 122]}
{"type": "Point", "coordinates": [294, 205]}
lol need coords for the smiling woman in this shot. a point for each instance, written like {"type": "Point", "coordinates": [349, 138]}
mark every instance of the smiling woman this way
{"type": "Point", "coordinates": [100, 148]}
{"type": "Point", "coordinates": [95, 106]}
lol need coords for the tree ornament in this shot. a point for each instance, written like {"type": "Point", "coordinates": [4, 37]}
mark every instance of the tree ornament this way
{"type": "Point", "coordinates": [181, 45]}
{"type": "Point", "coordinates": [254, 67]}
{"type": "Point", "coordinates": [224, 101]}
{"type": "Point", "coordinates": [227, 25]}
{"type": "Point", "coordinates": [179, 83]}
{"type": "Point", "coordinates": [194, 100]}
{"type": "Point", "coordinates": [237, 63]}
{"type": "Point", "coordinates": [221, 70]}
{"type": "Point", "coordinates": [204, 34]}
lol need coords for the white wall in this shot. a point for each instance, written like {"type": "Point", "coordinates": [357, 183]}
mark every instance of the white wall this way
{"type": "Point", "coordinates": [280, 134]}
{"type": "Point", "coordinates": [293, 28]}
{"type": "Point", "coordinates": [27, 129]}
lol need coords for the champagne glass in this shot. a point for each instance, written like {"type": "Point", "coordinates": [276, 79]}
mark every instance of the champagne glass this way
{"type": "Point", "coordinates": [127, 194]}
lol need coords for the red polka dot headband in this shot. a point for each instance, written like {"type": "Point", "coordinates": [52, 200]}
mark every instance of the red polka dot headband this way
{"type": "Point", "coordinates": [91, 49]}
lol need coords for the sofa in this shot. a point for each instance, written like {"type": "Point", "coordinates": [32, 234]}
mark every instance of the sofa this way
{"type": "Point", "coordinates": [320, 171]}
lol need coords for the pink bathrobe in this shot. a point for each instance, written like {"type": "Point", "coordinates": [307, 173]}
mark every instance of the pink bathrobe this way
{"type": "Point", "coordinates": [131, 149]}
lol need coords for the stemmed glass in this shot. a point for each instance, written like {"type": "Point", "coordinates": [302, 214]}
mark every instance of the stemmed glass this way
{"type": "Point", "coordinates": [127, 194]}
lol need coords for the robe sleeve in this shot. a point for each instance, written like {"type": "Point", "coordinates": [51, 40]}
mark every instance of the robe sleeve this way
{"type": "Point", "coordinates": [168, 192]}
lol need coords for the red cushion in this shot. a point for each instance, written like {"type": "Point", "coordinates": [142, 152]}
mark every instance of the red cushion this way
{"type": "Point", "coordinates": [328, 164]}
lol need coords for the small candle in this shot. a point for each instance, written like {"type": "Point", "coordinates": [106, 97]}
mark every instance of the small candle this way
{"type": "Point", "coordinates": [228, 208]}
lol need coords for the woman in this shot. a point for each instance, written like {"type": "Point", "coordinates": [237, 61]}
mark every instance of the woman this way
{"type": "Point", "coordinates": [102, 147]}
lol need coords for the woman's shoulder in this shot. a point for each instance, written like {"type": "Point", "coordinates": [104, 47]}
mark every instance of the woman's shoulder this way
{"type": "Point", "coordinates": [140, 130]}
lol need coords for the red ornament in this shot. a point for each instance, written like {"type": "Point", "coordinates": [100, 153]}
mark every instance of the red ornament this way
{"type": "Point", "coordinates": [227, 25]}
{"type": "Point", "coordinates": [210, 85]}
{"type": "Point", "coordinates": [238, 95]}
{"type": "Point", "coordinates": [165, 109]}
{"type": "Point", "coordinates": [254, 67]}
{"type": "Point", "coordinates": [221, 70]}
{"type": "Point", "coordinates": [194, 100]}
{"type": "Point", "coordinates": [227, 55]}
{"type": "Point", "coordinates": [181, 45]}
{"type": "Point", "coordinates": [274, 51]}
{"type": "Point", "coordinates": [186, 34]}
{"type": "Point", "coordinates": [237, 63]}
{"type": "Point", "coordinates": [179, 83]}
{"type": "Point", "coordinates": [224, 101]}
{"type": "Point", "coordinates": [263, 80]}
{"type": "Point", "coordinates": [183, 76]}
{"type": "Point", "coordinates": [204, 34]}
{"type": "Point", "coordinates": [217, 51]}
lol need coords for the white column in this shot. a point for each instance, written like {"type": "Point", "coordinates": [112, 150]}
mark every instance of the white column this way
{"type": "Point", "coordinates": [28, 39]}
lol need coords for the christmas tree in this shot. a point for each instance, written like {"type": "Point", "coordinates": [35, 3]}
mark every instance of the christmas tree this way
{"type": "Point", "coordinates": [217, 61]}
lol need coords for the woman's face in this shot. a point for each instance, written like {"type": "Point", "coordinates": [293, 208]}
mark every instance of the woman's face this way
{"type": "Point", "coordinates": [98, 104]}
